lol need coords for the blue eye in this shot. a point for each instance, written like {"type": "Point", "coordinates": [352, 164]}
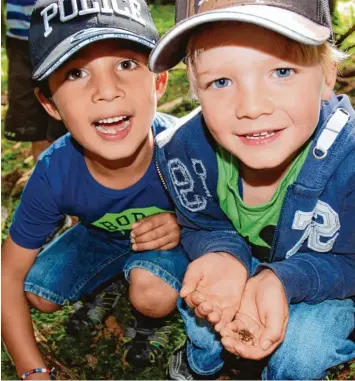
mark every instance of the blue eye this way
{"type": "Point", "coordinates": [283, 72]}
{"type": "Point", "coordinates": [221, 82]}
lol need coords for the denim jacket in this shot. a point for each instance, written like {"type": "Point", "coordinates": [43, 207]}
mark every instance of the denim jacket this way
{"type": "Point", "coordinates": [313, 250]}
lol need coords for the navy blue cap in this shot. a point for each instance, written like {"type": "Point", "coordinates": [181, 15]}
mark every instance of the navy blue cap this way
{"type": "Point", "coordinates": [59, 28]}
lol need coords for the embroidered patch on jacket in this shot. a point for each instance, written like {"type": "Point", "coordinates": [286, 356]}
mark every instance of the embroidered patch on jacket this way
{"type": "Point", "coordinates": [321, 228]}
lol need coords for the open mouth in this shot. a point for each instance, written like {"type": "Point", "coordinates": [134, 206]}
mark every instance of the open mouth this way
{"type": "Point", "coordinates": [113, 125]}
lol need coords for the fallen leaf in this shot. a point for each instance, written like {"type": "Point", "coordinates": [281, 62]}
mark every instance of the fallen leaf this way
{"type": "Point", "coordinates": [92, 361]}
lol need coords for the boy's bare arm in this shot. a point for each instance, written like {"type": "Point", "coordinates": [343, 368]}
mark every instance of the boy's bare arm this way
{"type": "Point", "coordinates": [260, 324]}
{"type": "Point", "coordinates": [158, 232]}
{"type": "Point", "coordinates": [16, 322]}
{"type": "Point", "coordinates": [213, 286]}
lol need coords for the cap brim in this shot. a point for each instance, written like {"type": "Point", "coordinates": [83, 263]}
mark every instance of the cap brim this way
{"type": "Point", "coordinates": [77, 41]}
{"type": "Point", "coordinates": [171, 48]}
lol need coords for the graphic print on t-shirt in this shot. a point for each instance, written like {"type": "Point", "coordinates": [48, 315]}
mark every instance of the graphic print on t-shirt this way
{"type": "Point", "coordinates": [122, 222]}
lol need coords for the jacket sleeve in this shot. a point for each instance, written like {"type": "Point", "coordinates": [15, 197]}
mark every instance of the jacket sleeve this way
{"type": "Point", "coordinates": [198, 241]}
{"type": "Point", "coordinates": [314, 277]}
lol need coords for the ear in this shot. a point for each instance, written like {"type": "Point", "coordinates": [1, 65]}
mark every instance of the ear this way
{"type": "Point", "coordinates": [47, 104]}
{"type": "Point", "coordinates": [160, 84]}
{"type": "Point", "coordinates": [330, 79]}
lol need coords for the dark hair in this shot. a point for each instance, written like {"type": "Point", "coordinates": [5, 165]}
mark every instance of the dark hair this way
{"type": "Point", "coordinates": [43, 87]}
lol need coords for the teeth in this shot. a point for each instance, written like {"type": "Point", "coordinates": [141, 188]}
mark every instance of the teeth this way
{"type": "Point", "coordinates": [112, 120]}
{"type": "Point", "coordinates": [125, 125]}
{"type": "Point", "coordinates": [106, 130]}
{"type": "Point", "coordinates": [112, 131]}
{"type": "Point", "coordinates": [261, 135]}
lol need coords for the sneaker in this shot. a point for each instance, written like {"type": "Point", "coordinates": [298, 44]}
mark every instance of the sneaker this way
{"type": "Point", "coordinates": [78, 319]}
{"type": "Point", "coordinates": [88, 314]}
{"type": "Point", "coordinates": [144, 346]}
{"type": "Point", "coordinates": [179, 368]}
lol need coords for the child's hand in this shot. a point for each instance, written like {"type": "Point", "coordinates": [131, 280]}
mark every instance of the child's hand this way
{"type": "Point", "coordinates": [158, 232]}
{"type": "Point", "coordinates": [213, 286]}
{"type": "Point", "coordinates": [263, 313]}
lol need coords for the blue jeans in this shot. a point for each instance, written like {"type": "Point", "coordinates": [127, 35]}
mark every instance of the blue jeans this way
{"type": "Point", "coordinates": [316, 339]}
{"type": "Point", "coordinates": [81, 259]}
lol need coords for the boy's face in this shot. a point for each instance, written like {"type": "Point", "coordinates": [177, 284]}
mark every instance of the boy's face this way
{"type": "Point", "coordinates": [258, 102]}
{"type": "Point", "coordinates": [107, 98]}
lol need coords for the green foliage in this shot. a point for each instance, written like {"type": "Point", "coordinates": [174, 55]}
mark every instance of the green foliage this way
{"type": "Point", "coordinates": [344, 19]}
{"type": "Point", "coordinates": [163, 17]}
{"type": "Point", "coordinates": [351, 375]}
{"type": "Point", "coordinates": [93, 357]}
{"type": "Point", "coordinates": [344, 30]}
{"type": "Point", "coordinates": [177, 85]}
{"type": "Point", "coordinates": [3, 70]}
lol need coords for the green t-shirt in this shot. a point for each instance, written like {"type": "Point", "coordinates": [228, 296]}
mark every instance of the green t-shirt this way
{"type": "Point", "coordinates": [255, 223]}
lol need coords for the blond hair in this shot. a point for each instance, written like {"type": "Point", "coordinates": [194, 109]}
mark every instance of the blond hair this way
{"type": "Point", "coordinates": [326, 54]}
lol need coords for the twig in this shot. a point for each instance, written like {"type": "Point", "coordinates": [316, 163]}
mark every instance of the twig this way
{"type": "Point", "coordinates": [348, 89]}
{"type": "Point", "coordinates": [347, 74]}
{"type": "Point", "coordinates": [343, 82]}
{"type": "Point", "coordinates": [41, 341]}
{"type": "Point", "coordinates": [170, 106]}
{"type": "Point", "coordinates": [346, 35]}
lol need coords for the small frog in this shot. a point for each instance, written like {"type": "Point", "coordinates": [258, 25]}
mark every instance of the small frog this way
{"type": "Point", "coordinates": [246, 336]}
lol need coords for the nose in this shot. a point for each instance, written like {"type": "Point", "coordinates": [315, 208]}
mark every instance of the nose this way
{"type": "Point", "coordinates": [254, 100]}
{"type": "Point", "coordinates": [107, 87]}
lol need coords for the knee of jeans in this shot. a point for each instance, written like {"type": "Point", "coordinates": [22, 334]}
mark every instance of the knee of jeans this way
{"type": "Point", "coordinates": [151, 295]}
{"type": "Point", "coordinates": [41, 304]}
{"type": "Point", "coordinates": [307, 355]}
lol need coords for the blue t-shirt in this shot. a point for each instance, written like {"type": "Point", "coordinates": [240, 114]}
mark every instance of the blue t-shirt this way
{"type": "Point", "coordinates": [62, 184]}
{"type": "Point", "coordinates": [18, 17]}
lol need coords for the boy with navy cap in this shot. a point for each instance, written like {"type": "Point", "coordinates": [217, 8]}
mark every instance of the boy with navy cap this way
{"type": "Point", "coordinates": [90, 63]}
{"type": "Point", "coordinates": [263, 178]}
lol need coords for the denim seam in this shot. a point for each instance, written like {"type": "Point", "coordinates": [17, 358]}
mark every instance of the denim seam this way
{"type": "Point", "coordinates": [198, 370]}
{"type": "Point", "coordinates": [43, 293]}
{"type": "Point", "coordinates": [175, 283]}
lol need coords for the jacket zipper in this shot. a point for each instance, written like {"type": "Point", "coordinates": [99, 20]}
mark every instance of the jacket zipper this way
{"type": "Point", "coordinates": [157, 167]}
{"type": "Point", "coordinates": [277, 230]}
